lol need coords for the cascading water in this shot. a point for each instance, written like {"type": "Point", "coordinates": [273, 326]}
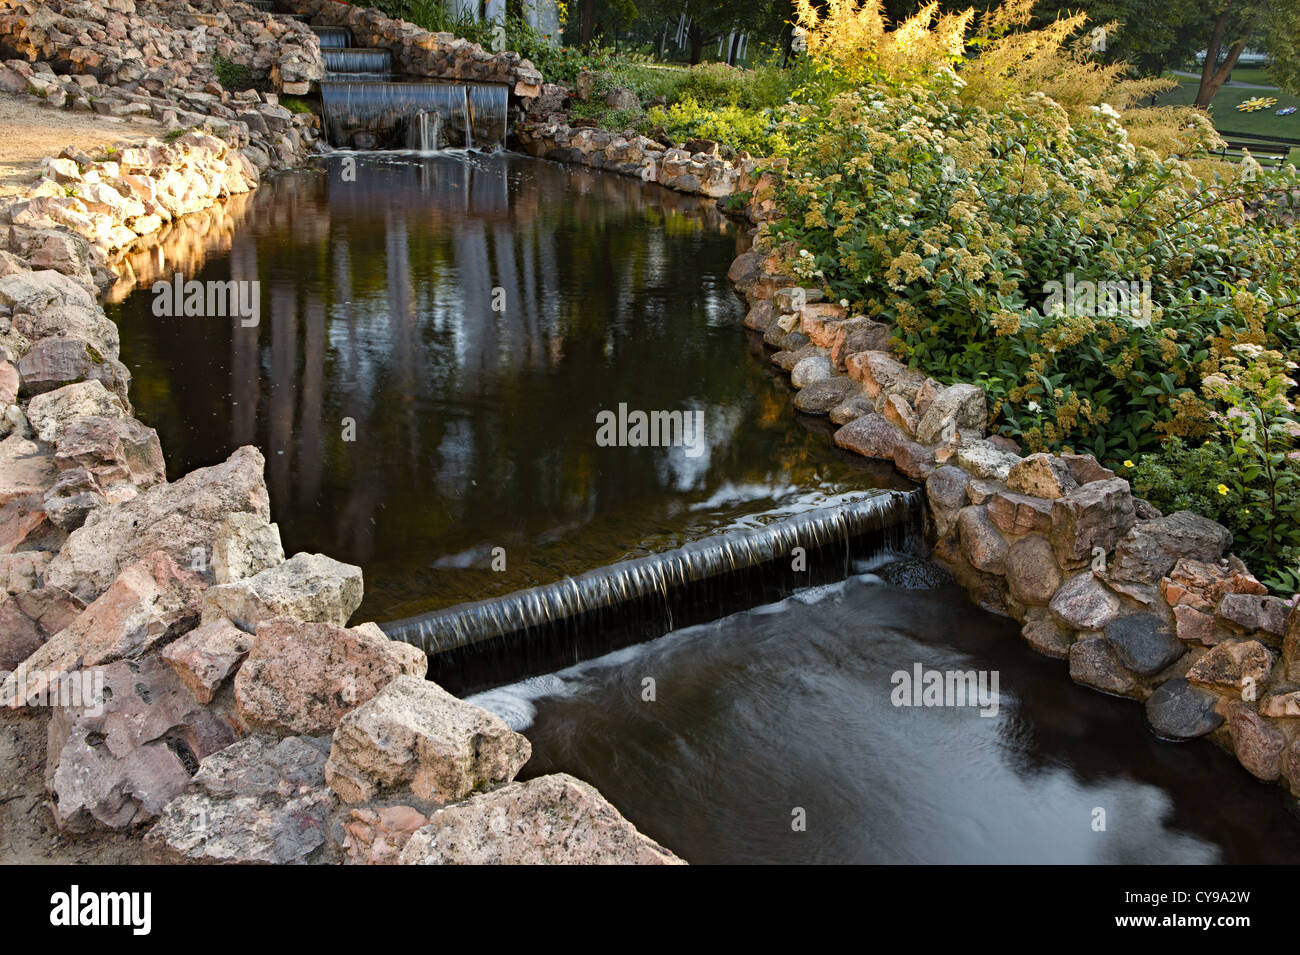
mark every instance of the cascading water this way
{"type": "Point", "coordinates": [358, 60]}
{"type": "Point", "coordinates": [424, 131]}
{"type": "Point", "coordinates": [533, 631]}
{"type": "Point", "coordinates": [386, 115]}
{"type": "Point", "coordinates": [333, 38]}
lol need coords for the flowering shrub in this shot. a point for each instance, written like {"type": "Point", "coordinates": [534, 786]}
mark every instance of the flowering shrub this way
{"type": "Point", "coordinates": [736, 127]}
{"type": "Point", "coordinates": [953, 198]}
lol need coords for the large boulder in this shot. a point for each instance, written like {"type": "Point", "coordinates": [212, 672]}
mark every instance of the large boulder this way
{"type": "Point", "coordinates": [120, 762]}
{"type": "Point", "coordinates": [1094, 663]}
{"type": "Point", "coordinates": [1094, 516]}
{"type": "Point", "coordinates": [1145, 642]}
{"type": "Point", "coordinates": [1031, 569]}
{"type": "Point", "coordinates": [959, 407]}
{"type": "Point", "coordinates": [181, 518]}
{"type": "Point", "coordinates": [303, 678]}
{"type": "Point", "coordinates": [1178, 710]}
{"type": "Point", "coordinates": [1042, 475]}
{"type": "Point", "coordinates": [549, 820]}
{"type": "Point", "coordinates": [54, 362]}
{"type": "Point", "coordinates": [205, 657]}
{"type": "Point", "coordinates": [52, 411]}
{"type": "Point", "coordinates": [30, 618]}
{"type": "Point", "coordinates": [1257, 742]}
{"type": "Point", "coordinates": [1084, 603]}
{"type": "Point", "coordinates": [312, 588]}
{"type": "Point", "coordinates": [414, 733]}
{"type": "Point", "coordinates": [1150, 549]}
{"type": "Point", "coordinates": [1234, 664]}
{"type": "Point", "coordinates": [261, 800]}
{"type": "Point", "coordinates": [42, 289]}
{"type": "Point", "coordinates": [72, 321]}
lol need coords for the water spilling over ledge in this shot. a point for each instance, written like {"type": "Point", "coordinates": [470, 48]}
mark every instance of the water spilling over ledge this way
{"type": "Point", "coordinates": [535, 630]}
{"type": "Point", "coordinates": [333, 38]}
{"type": "Point", "coordinates": [391, 115]}
{"type": "Point", "coordinates": [358, 61]}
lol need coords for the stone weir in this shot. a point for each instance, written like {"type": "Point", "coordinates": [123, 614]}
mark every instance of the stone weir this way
{"type": "Point", "coordinates": [542, 629]}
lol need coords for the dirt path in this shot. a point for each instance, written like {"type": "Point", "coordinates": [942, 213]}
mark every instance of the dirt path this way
{"type": "Point", "coordinates": [29, 132]}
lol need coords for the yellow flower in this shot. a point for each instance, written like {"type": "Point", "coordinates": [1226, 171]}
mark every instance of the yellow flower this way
{"type": "Point", "coordinates": [1222, 489]}
{"type": "Point", "coordinates": [1128, 464]}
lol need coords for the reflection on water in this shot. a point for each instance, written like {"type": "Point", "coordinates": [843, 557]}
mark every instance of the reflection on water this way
{"type": "Point", "coordinates": [788, 706]}
{"type": "Point", "coordinates": [411, 427]}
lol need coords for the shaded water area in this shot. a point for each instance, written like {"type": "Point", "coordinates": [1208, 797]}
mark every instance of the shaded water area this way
{"type": "Point", "coordinates": [475, 427]}
{"type": "Point", "coordinates": [788, 707]}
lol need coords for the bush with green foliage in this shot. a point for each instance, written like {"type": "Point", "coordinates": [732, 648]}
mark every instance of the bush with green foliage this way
{"type": "Point", "coordinates": [755, 131]}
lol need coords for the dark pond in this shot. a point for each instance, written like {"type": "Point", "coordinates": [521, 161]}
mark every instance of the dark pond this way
{"type": "Point", "coordinates": [475, 428]}
{"type": "Point", "coordinates": [789, 707]}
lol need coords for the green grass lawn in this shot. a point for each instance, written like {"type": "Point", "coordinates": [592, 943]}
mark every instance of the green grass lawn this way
{"type": "Point", "coordinates": [1223, 110]}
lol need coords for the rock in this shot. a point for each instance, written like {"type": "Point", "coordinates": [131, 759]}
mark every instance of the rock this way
{"type": "Point", "coordinates": [40, 290]}
{"type": "Point", "coordinates": [871, 436]}
{"type": "Point", "coordinates": [622, 99]}
{"type": "Point", "coordinates": [879, 372]}
{"type": "Point", "coordinates": [305, 677]}
{"type": "Point", "coordinates": [151, 602]}
{"type": "Point", "coordinates": [9, 384]}
{"type": "Point", "coordinates": [857, 406]}
{"type": "Point", "coordinates": [22, 572]}
{"type": "Point", "coordinates": [54, 362]}
{"type": "Point", "coordinates": [1085, 469]}
{"type": "Point", "coordinates": [812, 369]}
{"type": "Point", "coordinates": [74, 494]}
{"type": "Point", "coordinates": [1020, 513]}
{"type": "Point", "coordinates": [245, 545]}
{"type": "Point", "coordinates": [312, 588]}
{"type": "Point", "coordinates": [1042, 632]}
{"type": "Point", "coordinates": [1031, 570]}
{"type": "Point", "coordinates": [51, 412]}
{"type": "Point", "coordinates": [983, 459]}
{"type": "Point", "coordinates": [959, 407]}
{"type": "Point", "coordinates": [1150, 549]}
{"type": "Point", "coordinates": [1257, 742]}
{"type": "Point", "coordinates": [414, 733]}
{"type": "Point", "coordinates": [90, 325]}
{"type": "Point", "coordinates": [1083, 603]}
{"type": "Point", "coordinates": [1291, 645]}
{"type": "Point", "coordinates": [260, 800]}
{"type": "Point", "coordinates": [822, 396]}
{"type": "Point", "coordinates": [1096, 515]}
{"type": "Point", "coordinates": [1144, 642]}
{"type": "Point", "coordinates": [548, 820]}
{"type": "Point", "coordinates": [1250, 613]}
{"type": "Point", "coordinates": [1042, 475]}
{"type": "Point", "coordinates": [985, 547]}
{"type": "Point", "coordinates": [1236, 664]}
{"type": "Point", "coordinates": [120, 762]}
{"type": "Point", "coordinates": [64, 252]}
{"type": "Point", "coordinates": [899, 412]}
{"type": "Point", "coordinates": [25, 469]}
{"type": "Point", "coordinates": [1281, 705]}
{"type": "Point", "coordinates": [113, 450]}
{"type": "Point", "coordinates": [761, 316]}
{"type": "Point", "coordinates": [1094, 663]}
{"type": "Point", "coordinates": [1177, 710]}
{"type": "Point", "coordinates": [29, 619]}
{"type": "Point", "coordinates": [377, 836]}
{"type": "Point", "coordinates": [205, 657]}
{"type": "Point", "coordinates": [913, 460]}
{"type": "Point", "coordinates": [1291, 765]}
{"type": "Point", "coordinates": [1202, 585]}
{"type": "Point", "coordinates": [946, 487]}
{"type": "Point", "coordinates": [1193, 626]}
{"type": "Point", "coordinates": [181, 518]}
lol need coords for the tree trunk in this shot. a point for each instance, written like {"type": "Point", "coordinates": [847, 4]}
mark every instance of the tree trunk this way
{"type": "Point", "coordinates": [588, 21]}
{"type": "Point", "coordinates": [697, 44]}
{"type": "Point", "coordinates": [1209, 87]}
{"type": "Point", "coordinates": [1214, 76]}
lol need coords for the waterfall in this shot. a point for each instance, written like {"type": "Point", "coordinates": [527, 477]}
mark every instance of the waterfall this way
{"type": "Point", "coordinates": [333, 38]}
{"type": "Point", "coordinates": [423, 132]}
{"type": "Point", "coordinates": [533, 631]}
{"type": "Point", "coordinates": [386, 115]}
{"type": "Point", "coordinates": [357, 60]}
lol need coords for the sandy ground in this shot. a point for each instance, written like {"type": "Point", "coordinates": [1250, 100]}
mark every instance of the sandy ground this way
{"type": "Point", "coordinates": [29, 132]}
{"type": "Point", "coordinates": [27, 831]}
